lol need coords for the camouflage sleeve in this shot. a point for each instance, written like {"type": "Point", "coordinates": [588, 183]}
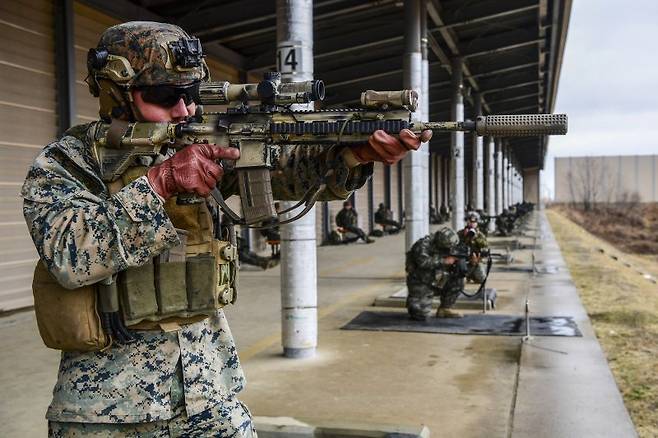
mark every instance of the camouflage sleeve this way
{"type": "Point", "coordinates": [423, 257]}
{"type": "Point", "coordinates": [480, 242]}
{"type": "Point", "coordinates": [301, 167]}
{"type": "Point", "coordinates": [83, 234]}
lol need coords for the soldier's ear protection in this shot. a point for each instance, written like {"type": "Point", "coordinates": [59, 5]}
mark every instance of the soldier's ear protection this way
{"type": "Point", "coordinates": [96, 60]}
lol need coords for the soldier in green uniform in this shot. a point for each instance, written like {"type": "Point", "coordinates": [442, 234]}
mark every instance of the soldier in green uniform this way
{"type": "Point", "coordinates": [348, 219]}
{"type": "Point", "coordinates": [384, 217]}
{"type": "Point", "coordinates": [476, 242]}
{"type": "Point", "coordinates": [179, 376]}
{"type": "Point", "coordinates": [434, 268]}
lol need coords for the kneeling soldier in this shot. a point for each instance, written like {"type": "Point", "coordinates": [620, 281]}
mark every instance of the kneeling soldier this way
{"type": "Point", "coordinates": [434, 268]}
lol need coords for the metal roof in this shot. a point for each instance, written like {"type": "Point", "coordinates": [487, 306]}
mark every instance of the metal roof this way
{"type": "Point", "coordinates": [511, 49]}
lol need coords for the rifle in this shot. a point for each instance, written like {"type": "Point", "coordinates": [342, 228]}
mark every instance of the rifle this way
{"type": "Point", "coordinates": [260, 119]}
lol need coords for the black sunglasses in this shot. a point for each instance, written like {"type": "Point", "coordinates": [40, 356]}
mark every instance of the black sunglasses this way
{"type": "Point", "coordinates": [169, 95]}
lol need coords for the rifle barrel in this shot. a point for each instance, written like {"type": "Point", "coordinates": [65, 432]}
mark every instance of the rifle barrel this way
{"type": "Point", "coordinates": [516, 125]}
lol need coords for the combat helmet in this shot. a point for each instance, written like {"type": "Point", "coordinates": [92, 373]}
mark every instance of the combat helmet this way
{"type": "Point", "coordinates": [141, 54]}
{"type": "Point", "coordinates": [445, 239]}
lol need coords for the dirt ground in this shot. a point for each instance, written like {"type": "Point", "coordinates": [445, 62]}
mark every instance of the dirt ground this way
{"type": "Point", "coordinates": [631, 227]}
{"type": "Point", "coordinates": [623, 307]}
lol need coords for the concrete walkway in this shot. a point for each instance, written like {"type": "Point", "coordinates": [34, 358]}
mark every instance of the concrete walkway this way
{"type": "Point", "coordinates": [456, 385]}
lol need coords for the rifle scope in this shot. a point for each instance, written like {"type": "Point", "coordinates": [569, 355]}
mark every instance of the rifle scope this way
{"type": "Point", "coordinates": [269, 91]}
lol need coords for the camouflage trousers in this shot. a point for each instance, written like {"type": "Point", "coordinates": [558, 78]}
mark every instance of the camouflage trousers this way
{"type": "Point", "coordinates": [420, 295]}
{"type": "Point", "coordinates": [228, 419]}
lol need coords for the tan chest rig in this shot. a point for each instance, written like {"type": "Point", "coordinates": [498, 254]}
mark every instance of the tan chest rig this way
{"type": "Point", "coordinates": [181, 286]}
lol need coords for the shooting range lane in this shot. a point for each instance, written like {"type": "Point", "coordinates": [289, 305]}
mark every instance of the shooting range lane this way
{"type": "Point", "coordinates": [465, 385]}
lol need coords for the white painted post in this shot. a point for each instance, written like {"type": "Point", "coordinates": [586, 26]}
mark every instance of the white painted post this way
{"type": "Point", "coordinates": [424, 150]}
{"type": "Point", "coordinates": [499, 176]}
{"type": "Point", "coordinates": [457, 148]}
{"type": "Point", "coordinates": [491, 182]}
{"type": "Point", "coordinates": [414, 164]}
{"type": "Point", "coordinates": [299, 316]}
{"type": "Point", "coordinates": [478, 168]}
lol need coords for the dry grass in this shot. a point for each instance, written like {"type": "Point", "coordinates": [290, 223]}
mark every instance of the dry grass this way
{"type": "Point", "coordinates": [623, 307]}
{"type": "Point", "coordinates": [633, 228]}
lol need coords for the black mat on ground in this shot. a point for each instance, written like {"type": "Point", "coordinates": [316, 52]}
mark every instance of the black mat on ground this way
{"type": "Point", "coordinates": [476, 324]}
{"type": "Point", "coordinates": [504, 268]}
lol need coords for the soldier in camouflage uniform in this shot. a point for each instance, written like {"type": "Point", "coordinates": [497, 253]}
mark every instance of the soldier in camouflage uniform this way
{"type": "Point", "coordinates": [433, 268]}
{"type": "Point", "coordinates": [476, 241]}
{"type": "Point", "coordinates": [168, 382]}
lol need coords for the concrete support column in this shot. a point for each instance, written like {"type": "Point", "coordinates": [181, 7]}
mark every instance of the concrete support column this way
{"type": "Point", "coordinates": [513, 176]}
{"type": "Point", "coordinates": [414, 164]}
{"type": "Point", "coordinates": [521, 181]}
{"type": "Point", "coordinates": [457, 147]}
{"type": "Point", "coordinates": [530, 186]}
{"type": "Point", "coordinates": [499, 176]}
{"type": "Point", "coordinates": [504, 176]}
{"type": "Point", "coordinates": [491, 192]}
{"type": "Point", "coordinates": [400, 183]}
{"type": "Point", "coordinates": [477, 194]}
{"type": "Point", "coordinates": [299, 316]}
{"type": "Point", "coordinates": [424, 116]}
{"type": "Point", "coordinates": [509, 175]}
{"type": "Point", "coordinates": [387, 187]}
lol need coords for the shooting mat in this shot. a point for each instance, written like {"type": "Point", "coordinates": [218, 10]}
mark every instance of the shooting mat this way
{"type": "Point", "coordinates": [473, 324]}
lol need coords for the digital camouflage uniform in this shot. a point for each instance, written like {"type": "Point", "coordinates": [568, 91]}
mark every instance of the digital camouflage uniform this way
{"type": "Point", "coordinates": [477, 244]}
{"type": "Point", "coordinates": [83, 234]}
{"type": "Point", "coordinates": [428, 276]}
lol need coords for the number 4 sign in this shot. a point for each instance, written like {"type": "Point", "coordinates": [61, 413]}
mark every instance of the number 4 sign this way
{"type": "Point", "coordinates": [290, 57]}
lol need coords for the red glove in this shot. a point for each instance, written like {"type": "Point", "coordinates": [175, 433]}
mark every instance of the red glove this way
{"type": "Point", "coordinates": [388, 149]}
{"type": "Point", "coordinates": [192, 169]}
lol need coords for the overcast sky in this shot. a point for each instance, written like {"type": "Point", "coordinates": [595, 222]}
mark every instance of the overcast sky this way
{"type": "Point", "coordinates": [609, 82]}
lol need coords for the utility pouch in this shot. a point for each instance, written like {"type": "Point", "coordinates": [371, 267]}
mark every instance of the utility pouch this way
{"type": "Point", "coordinates": [67, 318]}
{"type": "Point", "coordinates": [170, 283]}
{"type": "Point", "coordinates": [212, 277]}
{"type": "Point", "coordinates": [201, 276]}
{"type": "Point", "coordinates": [137, 292]}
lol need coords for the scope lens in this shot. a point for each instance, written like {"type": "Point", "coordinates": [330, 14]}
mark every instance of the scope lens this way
{"type": "Point", "coordinates": [317, 90]}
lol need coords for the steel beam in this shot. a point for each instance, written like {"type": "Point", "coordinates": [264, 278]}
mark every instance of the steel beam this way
{"type": "Point", "coordinates": [512, 99]}
{"type": "Point", "coordinates": [505, 70]}
{"type": "Point", "coordinates": [336, 12]}
{"type": "Point", "coordinates": [487, 17]}
{"type": "Point", "coordinates": [451, 41]}
{"type": "Point", "coordinates": [504, 48]}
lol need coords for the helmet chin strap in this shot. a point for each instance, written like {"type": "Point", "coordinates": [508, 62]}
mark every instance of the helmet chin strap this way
{"type": "Point", "coordinates": [136, 113]}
